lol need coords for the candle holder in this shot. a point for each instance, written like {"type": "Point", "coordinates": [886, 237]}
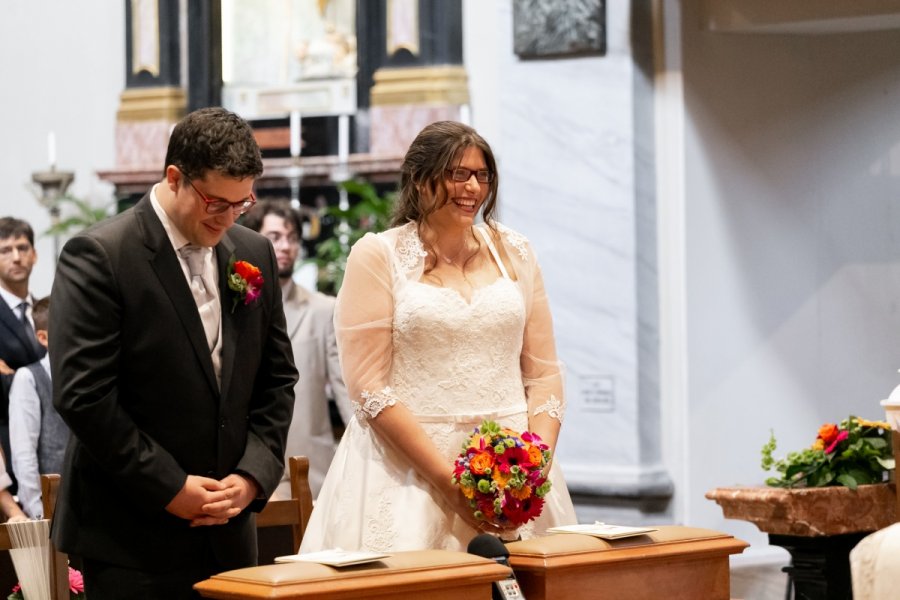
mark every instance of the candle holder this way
{"type": "Point", "coordinates": [53, 185]}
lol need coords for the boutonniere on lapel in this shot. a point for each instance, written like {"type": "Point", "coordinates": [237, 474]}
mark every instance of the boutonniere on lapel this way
{"type": "Point", "coordinates": [245, 280]}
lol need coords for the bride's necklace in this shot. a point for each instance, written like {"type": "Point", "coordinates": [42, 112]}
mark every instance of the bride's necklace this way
{"type": "Point", "coordinates": [451, 260]}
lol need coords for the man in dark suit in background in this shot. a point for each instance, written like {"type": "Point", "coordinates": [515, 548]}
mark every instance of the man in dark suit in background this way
{"type": "Point", "coordinates": [18, 344]}
{"type": "Point", "coordinates": [173, 370]}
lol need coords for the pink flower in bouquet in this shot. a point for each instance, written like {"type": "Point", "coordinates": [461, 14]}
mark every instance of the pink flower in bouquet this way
{"type": "Point", "coordinates": [501, 474]}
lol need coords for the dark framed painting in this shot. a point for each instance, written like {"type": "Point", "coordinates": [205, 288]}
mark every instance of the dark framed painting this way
{"type": "Point", "coordinates": [559, 28]}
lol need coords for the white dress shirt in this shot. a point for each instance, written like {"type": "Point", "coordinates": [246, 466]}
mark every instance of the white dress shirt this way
{"type": "Point", "coordinates": [25, 415]}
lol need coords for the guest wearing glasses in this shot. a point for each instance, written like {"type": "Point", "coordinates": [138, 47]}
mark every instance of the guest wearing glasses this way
{"type": "Point", "coordinates": [173, 370]}
{"type": "Point", "coordinates": [441, 322]}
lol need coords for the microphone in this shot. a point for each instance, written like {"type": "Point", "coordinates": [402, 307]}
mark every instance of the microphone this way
{"type": "Point", "coordinates": [488, 546]}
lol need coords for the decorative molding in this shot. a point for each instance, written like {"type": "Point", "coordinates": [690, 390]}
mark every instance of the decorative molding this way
{"type": "Point", "coordinates": [152, 103]}
{"type": "Point", "coordinates": [443, 84]}
{"type": "Point", "coordinates": [625, 481]}
{"type": "Point", "coordinates": [800, 16]}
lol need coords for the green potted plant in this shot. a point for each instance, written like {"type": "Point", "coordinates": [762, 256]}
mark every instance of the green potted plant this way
{"type": "Point", "coordinates": [368, 212]}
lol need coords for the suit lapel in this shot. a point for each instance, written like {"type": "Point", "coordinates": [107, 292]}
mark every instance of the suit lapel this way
{"type": "Point", "coordinates": [172, 281]}
{"type": "Point", "coordinates": [224, 254]}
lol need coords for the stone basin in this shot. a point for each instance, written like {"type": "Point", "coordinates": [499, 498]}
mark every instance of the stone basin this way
{"type": "Point", "coordinates": [810, 512]}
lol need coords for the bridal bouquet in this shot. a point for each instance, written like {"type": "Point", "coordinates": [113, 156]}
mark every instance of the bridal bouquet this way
{"type": "Point", "coordinates": [851, 453]}
{"type": "Point", "coordinates": [501, 473]}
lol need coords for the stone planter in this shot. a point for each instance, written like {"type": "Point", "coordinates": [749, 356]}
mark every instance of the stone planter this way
{"type": "Point", "coordinates": [832, 510]}
{"type": "Point", "coordinates": [818, 526]}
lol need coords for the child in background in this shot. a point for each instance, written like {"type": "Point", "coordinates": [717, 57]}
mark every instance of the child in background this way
{"type": "Point", "coordinates": [38, 435]}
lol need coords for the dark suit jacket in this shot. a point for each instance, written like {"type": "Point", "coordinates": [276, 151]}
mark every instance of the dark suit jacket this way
{"type": "Point", "coordinates": [17, 348]}
{"type": "Point", "coordinates": [134, 381]}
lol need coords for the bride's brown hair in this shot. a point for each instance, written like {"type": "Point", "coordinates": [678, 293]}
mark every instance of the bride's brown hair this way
{"type": "Point", "coordinates": [434, 151]}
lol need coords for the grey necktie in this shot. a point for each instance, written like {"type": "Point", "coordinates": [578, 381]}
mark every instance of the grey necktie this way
{"type": "Point", "coordinates": [201, 288]}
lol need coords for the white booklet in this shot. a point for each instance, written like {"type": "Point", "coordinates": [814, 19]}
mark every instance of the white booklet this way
{"type": "Point", "coordinates": [602, 530]}
{"type": "Point", "coordinates": [334, 558]}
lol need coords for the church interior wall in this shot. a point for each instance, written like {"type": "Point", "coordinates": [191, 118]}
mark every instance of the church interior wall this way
{"type": "Point", "coordinates": [792, 258]}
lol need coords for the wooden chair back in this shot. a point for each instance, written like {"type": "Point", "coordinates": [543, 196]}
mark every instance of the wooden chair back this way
{"type": "Point", "coordinates": [59, 563]}
{"type": "Point", "coordinates": [294, 512]}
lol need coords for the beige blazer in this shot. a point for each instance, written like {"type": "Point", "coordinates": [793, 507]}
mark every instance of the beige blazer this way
{"type": "Point", "coordinates": [310, 326]}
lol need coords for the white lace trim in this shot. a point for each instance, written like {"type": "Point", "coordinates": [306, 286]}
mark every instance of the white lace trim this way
{"type": "Point", "coordinates": [374, 402]}
{"type": "Point", "coordinates": [409, 248]}
{"type": "Point", "coordinates": [553, 407]}
{"type": "Point", "coordinates": [516, 240]}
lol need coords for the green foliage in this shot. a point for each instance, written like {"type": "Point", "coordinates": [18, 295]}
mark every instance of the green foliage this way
{"type": "Point", "coordinates": [854, 453]}
{"type": "Point", "coordinates": [85, 214]}
{"type": "Point", "coordinates": [368, 212]}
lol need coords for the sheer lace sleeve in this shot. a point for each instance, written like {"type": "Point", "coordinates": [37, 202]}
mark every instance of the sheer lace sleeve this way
{"type": "Point", "coordinates": [363, 316]}
{"type": "Point", "coordinates": [542, 372]}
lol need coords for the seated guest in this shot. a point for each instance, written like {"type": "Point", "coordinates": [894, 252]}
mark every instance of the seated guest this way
{"type": "Point", "coordinates": [38, 435]}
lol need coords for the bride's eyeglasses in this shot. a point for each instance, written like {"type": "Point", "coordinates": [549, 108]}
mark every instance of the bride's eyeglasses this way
{"type": "Point", "coordinates": [462, 175]}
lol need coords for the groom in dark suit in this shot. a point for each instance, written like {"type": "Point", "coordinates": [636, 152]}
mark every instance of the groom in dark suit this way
{"type": "Point", "coordinates": [172, 367]}
{"type": "Point", "coordinates": [18, 344]}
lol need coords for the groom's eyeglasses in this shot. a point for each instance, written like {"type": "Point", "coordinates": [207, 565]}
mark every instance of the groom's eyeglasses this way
{"type": "Point", "coordinates": [217, 207]}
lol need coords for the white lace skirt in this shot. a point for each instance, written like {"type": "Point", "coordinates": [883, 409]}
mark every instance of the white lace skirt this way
{"type": "Point", "coordinates": [372, 499]}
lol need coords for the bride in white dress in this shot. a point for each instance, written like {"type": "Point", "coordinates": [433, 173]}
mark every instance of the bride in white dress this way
{"type": "Point", "coordinates": [441, 323]}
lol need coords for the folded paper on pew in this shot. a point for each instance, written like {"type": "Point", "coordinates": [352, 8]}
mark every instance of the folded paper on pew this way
{"type": "Point", "coordinates": [602, 530]}
{"type": "Point", "coordinates": [334, 558]}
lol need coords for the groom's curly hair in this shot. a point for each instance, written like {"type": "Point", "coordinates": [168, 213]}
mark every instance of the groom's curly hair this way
{"type": "Point", "coordinates": [438, 148]}
{"type": "Point", "coordinates": [214, 139]}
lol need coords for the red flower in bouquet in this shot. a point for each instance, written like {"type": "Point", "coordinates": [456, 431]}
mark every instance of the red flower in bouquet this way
{"type": "Point", "coordinates": [501, 474]}
{"type": "Point", "coordinates": [245, 280]}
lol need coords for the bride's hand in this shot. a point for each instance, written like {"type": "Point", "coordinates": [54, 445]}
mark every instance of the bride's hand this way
{"type": "Point", "coordinates": [456, 501]}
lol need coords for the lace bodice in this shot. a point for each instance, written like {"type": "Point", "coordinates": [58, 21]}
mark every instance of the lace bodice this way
{"type": "Point", "coordinates": [404, 340]}
{"type": "Point", "coordinates": [455, 358]}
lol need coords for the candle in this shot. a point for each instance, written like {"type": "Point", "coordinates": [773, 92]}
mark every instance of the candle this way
{"type": "Point", "coordinates": [295, 133]}
{"type": "Point", "coordinates": [343, 139]}
{"type": "Point", "coordinates": [51, 150]}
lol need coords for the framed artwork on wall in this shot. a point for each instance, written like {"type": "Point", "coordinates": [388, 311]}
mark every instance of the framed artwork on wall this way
{"type": "Point", "coordinates": [562, 28]}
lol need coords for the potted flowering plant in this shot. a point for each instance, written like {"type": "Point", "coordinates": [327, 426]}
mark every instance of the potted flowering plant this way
{"type": "Point", "coordinates": [850, 454]}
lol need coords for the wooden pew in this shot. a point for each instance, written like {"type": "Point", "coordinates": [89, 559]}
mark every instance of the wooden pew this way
{"type": "Point", "coordinates": [423, 575]}
{"type": "Point", "coordinates": [676, 563]}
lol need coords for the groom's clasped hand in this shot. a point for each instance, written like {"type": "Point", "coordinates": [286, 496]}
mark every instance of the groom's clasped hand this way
{"type": "Point", "coordinates": [206, 501]}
